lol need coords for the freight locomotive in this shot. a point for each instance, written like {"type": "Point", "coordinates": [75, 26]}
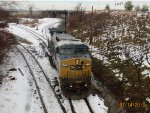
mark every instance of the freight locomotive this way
{"type": "Point", "coordinates": [71, 58]}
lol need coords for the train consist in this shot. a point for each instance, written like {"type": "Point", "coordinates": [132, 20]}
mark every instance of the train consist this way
{"type": "Point", "coordinates": [71, 58]}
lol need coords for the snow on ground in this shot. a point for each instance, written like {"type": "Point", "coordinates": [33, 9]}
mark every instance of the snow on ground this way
{"type": "Point", "coordinates": [80, 106]}
{"type": "Point", "coordinates": [46, 91]}
{"type": "Point", "coordinates": [22, 33]}
{"type": "Point", "coordinates": [95, 102]}
{"type": "Point", "coordinates": [146, 73]}
{"type": "Point", "coordinates": [20, 95]}
{"type": "Point", "coordinates": [53, 22]}
{"type": "Point", "coordinates": [22, 20]}
{"type": "Point", "coordinates": [51, 73]}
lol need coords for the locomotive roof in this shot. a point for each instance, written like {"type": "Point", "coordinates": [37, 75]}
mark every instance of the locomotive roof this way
{"type": "Point", "coordinates": [66, 37]}
{"type": "Point", "coordinates": [63, 39]}
{"type": "Point", "coordinates": [56, 30]}
{"type": "Point", "coordinates": [67, 42]}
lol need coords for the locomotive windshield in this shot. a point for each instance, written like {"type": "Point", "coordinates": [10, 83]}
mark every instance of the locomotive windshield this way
{"type": "Point", "coordinates": [73, 49]}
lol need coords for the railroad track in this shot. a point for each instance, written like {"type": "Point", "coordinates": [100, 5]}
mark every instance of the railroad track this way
{"type": "Point", "coordinates": [49, 82]}
{"type": "Point", "coordinates": [35, 78]}
{"type": "Point", "coordinates": [35, 34]}
{"type": "Point", "coordinates": [37, 37]}
{"type": "Point", "coordinates": [87, 104]}
{"type": "Point", "coordinates": [44, 30]}
{"type": "Point", "coordinates": [73, 106]}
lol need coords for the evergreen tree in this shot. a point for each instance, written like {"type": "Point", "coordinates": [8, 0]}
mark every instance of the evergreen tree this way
{"type": "Point", "coordinates": [107, 7]}
{"type": "Point", "coordinates": [145, 8]}
{"type": "Point", "coordinates": [128, 6]}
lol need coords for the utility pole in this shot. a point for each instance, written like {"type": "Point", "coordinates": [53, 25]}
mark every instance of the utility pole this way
{"type": "Point", "coordinates": [80, 25]}
{"type": "Point", "coordinates": [91, 36]}
{"type": "Point", "coordinates": [65, 21]}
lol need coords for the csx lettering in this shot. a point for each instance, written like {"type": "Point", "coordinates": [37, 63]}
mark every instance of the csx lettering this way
{"type": "Point", "coordinates": [76, 67]}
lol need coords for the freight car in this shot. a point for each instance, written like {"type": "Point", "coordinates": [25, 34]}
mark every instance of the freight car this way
{"type": "Point", "coordinates": [3, 24]}
{"type": "Point", "coordinates": [71, 58]}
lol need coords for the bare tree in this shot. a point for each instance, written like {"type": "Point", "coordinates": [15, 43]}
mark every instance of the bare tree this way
{"type": "Point", "coordinates": [78, 7]}
{"type": "Point", "coordinates": [3, 14]}
{"type": "Point", "coordinates": [4, 6]}
{"type": "Point", "coordinates": [76, 20]}
{"type": "Point", "coordinates": [91, 36]}
{"type": "Point", "coordinates": [137, 8]}
{"type": "Point", "coordinates": [8, 4]}
{"type": "Point", "coordinates": [30, 6]}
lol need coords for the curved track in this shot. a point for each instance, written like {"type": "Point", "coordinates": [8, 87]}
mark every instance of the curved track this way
{"type": "Point", "coordinates": [44, 30]}
{"type": "Point", "coordinates": [38, 36]}
{"type": "Point", "coordinates": [42, 38]}
{"type": "Point", "coordinates": [34, 78]}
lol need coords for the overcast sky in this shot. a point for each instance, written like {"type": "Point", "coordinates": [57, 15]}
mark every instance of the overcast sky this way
{"type": "Point", "coordinates": [70, 4]}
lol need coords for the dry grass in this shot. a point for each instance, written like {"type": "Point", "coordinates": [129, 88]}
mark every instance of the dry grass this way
{"type": "Point", "coordinates": [6, 41]}
{"type": "Point", "coordinates": [104, 24]}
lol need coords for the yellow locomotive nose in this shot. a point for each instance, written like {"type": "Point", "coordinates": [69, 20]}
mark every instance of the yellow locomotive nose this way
{"type": "Point", "coordinates": [75, 68]}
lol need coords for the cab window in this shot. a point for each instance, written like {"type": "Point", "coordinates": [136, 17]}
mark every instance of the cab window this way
{"type": "Point", "coordinates": [81, 49]}
{"type": "Point", "coordinates": [73, 49]}
{"type": "Point", "coordinates": [66, 50]}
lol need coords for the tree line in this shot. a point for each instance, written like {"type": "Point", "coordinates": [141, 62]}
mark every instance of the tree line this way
{"type": "Point", "coordinates": [130, 7]}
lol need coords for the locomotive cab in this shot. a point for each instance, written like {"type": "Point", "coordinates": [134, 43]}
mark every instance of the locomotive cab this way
{"type": "Point", "coordinates": [75, 67]}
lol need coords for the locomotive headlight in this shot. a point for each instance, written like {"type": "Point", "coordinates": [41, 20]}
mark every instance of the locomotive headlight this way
{"type": "Point", "coordinates": [85, 85]}
{"type": "Point", "coordinates": [70, 86]}
{"type": "Point", "coordinates": [77, 61]}
{"type": "Point", "coordinates": [64, 65]}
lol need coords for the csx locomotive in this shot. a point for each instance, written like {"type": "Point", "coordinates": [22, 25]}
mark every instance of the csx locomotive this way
{"type": "Point", "coordinates": [71, 58]}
